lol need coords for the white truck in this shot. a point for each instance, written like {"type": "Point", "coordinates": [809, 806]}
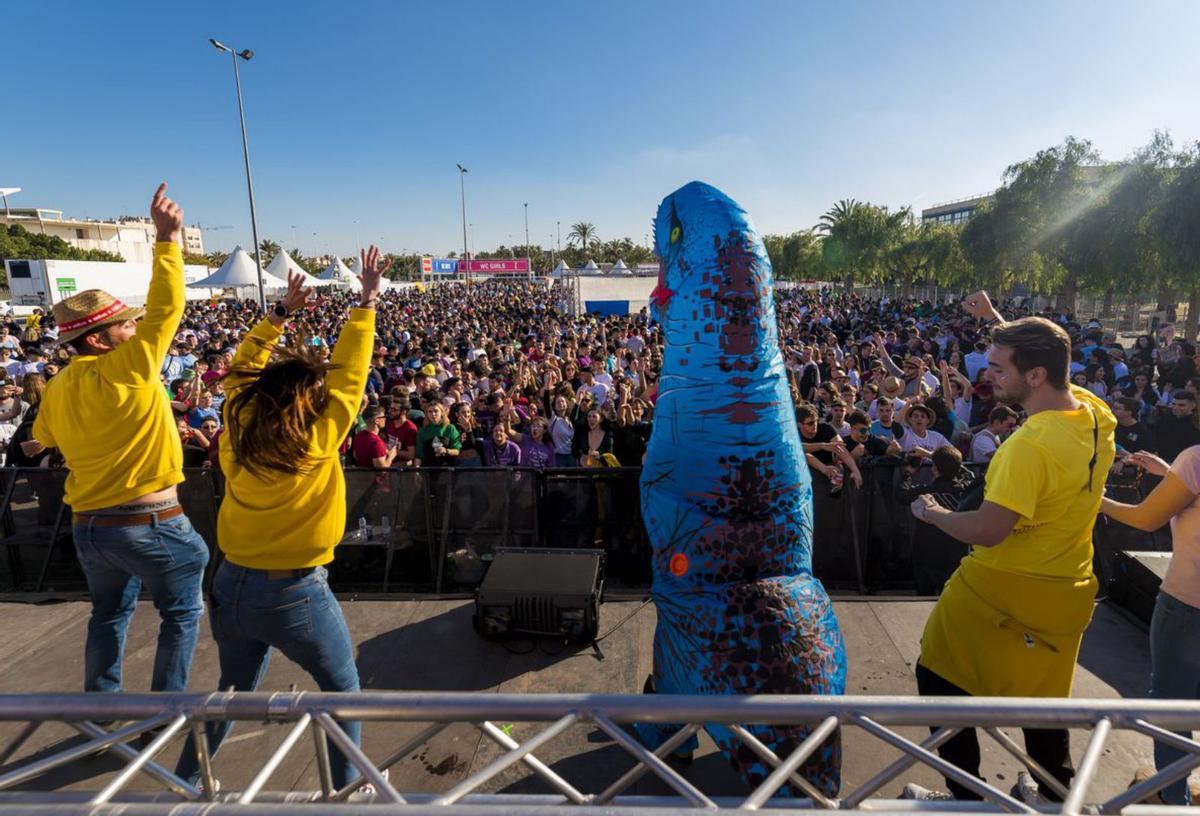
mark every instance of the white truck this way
{"type": "Point", "coordinates": [41, 284]}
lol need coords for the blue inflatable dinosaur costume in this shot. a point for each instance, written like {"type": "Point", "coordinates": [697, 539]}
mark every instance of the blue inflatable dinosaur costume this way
{"type": "Point", "coordinates": [726, 492]}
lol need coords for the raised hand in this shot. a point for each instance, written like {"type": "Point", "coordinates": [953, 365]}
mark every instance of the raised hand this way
{"type": "Point", "coordinates": [166, 215]}
{"type": "Point", "coordinates": [372, 276]}
{"type": "Point", "coordinates": [979, 306]}
{"type": "Point", "coordinates": [297, 293]}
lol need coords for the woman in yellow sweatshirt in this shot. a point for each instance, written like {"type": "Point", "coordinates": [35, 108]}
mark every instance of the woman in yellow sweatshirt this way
{"type": "Point", "coordinates": [286, 413]}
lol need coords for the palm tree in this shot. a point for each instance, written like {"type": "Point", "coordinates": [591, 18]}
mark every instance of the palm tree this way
{"type": "Point", "coordinates": [269, 249]}
{"type": "Point", "coordinates": [583, 233]}
{"type": "Point", "coordinates": [217, 257]}
{"type": "Point", "coordinates": [837, 214]}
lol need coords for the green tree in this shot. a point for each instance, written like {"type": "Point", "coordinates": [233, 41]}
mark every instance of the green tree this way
{"type": "Point", "coordinates": [858, 238]}
{"type": "Point", "coordinates": [582, 234]}
{"type": "Point", "coordinates": [16, 242]}
{"type": "Point", "coordinates": [796, 256]}
{"type": "Point", "coordinates": [269, 250]}
{"type": "Point", "coordinates": [1177, 220]}
{"type": "Point", "coordinates": [1042, 221]}
{"type": "Point", "coordinates": [216, 257]}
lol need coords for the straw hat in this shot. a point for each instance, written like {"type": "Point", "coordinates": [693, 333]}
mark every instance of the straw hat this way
{"type": "Point", "coordinates": [891, 387]}
{"type": "Point", "coordinates": [89, 310]}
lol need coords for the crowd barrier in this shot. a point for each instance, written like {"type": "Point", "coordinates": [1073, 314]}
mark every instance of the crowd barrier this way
{"type": "Point", "coordinates": [434, 529]}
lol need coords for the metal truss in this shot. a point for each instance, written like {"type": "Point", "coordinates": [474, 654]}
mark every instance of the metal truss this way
{"type": "Point", "coordinates": [311, 720]}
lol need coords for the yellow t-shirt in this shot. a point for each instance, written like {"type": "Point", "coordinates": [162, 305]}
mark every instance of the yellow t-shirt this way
{"type": "Point", "coordinates": [1042, 474]}
{"type": "Point", "coordinates": [1010, 619]}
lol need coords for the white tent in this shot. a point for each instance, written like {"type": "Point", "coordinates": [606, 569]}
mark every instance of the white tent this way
{"type": "Point", "coordinates": [337, 274]}
{"type": "Point", "coordinates": [560, 270]}
{"type": "Point", "coordinates": [619, 268]}
{"type": "Point", "coordinates": [279, 267]}
{"type": "Point", "coordinates": [238, 271]}
{"type": "Point", "coordinates": [356, 265]}
{"type": "Point", "coordinates": [590, 268]}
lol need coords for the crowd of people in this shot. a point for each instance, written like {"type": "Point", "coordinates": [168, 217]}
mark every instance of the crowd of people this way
{"type": "Point", "coordinates": [498, 375]}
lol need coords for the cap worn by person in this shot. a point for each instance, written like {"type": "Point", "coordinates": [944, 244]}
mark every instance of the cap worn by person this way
{"type": "Point", "coordinates": [89, 310]}
{"type": "Point", "coordinates": [891, 387]}
{"type": "Point", "coordinates": [428, 370]}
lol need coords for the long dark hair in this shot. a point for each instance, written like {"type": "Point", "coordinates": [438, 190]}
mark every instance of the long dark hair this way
{"type": "Point", "coordinates": [269, 421]}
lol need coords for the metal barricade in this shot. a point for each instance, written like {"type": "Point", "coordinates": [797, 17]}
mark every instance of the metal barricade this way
{"type": "Point", "coordinates": [434, 529]}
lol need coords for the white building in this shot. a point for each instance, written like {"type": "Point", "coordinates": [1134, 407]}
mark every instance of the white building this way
{"type": "Point", "coordinates": [131, 238]}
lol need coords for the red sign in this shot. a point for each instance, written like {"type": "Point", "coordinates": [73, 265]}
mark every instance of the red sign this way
{"type": "Point", "coordinates": [495, 266]}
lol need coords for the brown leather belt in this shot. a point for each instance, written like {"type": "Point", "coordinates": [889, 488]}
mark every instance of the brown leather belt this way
{"type": "Point", "coordinates": [138, 520]}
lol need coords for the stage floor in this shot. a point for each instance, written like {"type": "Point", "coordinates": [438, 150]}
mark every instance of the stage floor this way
{"type": "Point", "coordinates": [430, 645]}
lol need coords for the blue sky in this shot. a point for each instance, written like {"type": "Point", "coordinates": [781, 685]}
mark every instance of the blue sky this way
{"type": "Point", "coordinates": [590, 111]}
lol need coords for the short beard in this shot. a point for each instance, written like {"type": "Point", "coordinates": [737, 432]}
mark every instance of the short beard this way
{"type": "Point", "coordinates": [1013, 399]}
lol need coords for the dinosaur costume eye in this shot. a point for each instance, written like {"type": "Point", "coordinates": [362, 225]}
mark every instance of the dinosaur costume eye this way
{"type": "Point", "coordinates": [675, 233]}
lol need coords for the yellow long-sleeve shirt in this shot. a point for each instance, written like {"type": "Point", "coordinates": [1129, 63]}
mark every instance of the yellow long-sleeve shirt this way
{"type": "Point", "coordinates": [108, 413]}
{"type": "Point", "coordinates": [285, 521]}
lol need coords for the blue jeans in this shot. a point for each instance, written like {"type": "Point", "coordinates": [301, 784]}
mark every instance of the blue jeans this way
{"type": "Point", "coordinates": [1174, 673]}
{"type": "Point", "coordinates": [168, 557]}
{"type": "Point", "coordinates": [297, 615]}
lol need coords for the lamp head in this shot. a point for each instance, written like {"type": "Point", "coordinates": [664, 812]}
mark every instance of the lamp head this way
{"type": "Point", "coordinates": [461, 169]}
{"type": "Point", "coordinates": [246, 54]}
{"type": "Point", "coordinates": [219, 46]}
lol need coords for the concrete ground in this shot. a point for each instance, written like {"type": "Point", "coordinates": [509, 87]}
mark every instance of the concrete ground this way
{"type": "Point", "coordinates": [430, 645]}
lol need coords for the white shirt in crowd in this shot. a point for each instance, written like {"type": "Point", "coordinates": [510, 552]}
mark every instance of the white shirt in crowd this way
{"type": "Point", "coordinates": [975, 362]}
{"type": "Point", "coordinates": [931, 441]}
{"type": "Point", "coordinates": [983, 446]}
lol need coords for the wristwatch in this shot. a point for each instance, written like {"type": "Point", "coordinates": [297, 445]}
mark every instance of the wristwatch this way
{"type": "Point", "coordinates": [280, 310]}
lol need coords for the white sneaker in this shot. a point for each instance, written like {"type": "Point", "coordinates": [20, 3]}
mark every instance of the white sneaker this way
{"type": "Point", "coordinates": [368, 789]}
{"type": "Point", "coordinates": [923, 794]}
{"type": "Point", "coordinates": [1026, 790]}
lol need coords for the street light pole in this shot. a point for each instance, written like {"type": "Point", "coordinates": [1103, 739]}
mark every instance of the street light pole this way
{"type": "Point", "coordinates": [462, 185]}
{"type": "Point", "coordinates": [246, 54]}
{"type": "Point", "coordinates": [526, 227]}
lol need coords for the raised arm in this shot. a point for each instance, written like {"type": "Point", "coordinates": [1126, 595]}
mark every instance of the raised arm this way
{"type": "Point", "coordinates": [139, 360]}
{"type": "Point", "coordinates": [351, 357]}
{"type": "Point", "coordinates": [254, 352]}
{"type": "Point", "coordinates": [979, 306]}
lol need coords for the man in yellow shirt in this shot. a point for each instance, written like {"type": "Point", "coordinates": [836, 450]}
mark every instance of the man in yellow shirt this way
{"type": "Point", "coordinates": [108, 415]}
{"type": "Point", "coordinates": [1011, 618]}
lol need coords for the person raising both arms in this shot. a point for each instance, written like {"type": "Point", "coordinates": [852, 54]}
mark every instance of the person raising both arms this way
{"type": "Point", "coordinates": [284, 511]}
{"type": "Point", "coordinates": [109, 416]}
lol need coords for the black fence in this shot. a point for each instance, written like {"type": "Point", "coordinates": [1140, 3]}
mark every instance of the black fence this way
{"type": "Point", "coordinates": [435, 530]}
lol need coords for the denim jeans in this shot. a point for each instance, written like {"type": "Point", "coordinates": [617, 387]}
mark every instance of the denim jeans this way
{"type": "Point", "coordinates": [168, 558]}
{"type": "Point", "coordinates": [252, 613]}
{"type": "Point", "coordinates": [1174, 673]}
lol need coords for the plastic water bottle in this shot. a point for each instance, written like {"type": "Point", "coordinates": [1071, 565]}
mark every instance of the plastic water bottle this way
{"type": "Point", "coordinates": [364, 532]}
{"type": "Point", "coordinates": [386, 525]}
{"type": "Point", "coordinates": [836, 481]}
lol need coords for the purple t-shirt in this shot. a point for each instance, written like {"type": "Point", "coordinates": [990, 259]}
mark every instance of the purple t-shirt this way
{"type": "Point", "coordinates": [508, 456]}
{"type": "Point", "coordinates": [1183, 574]}
{"type": "Point", "coordinates": [536, 454]}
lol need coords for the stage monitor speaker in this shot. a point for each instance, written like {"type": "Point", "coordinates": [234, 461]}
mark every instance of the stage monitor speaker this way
{"type": "Point", "coordinates": [550, 592]}
{"type": "Point", "coordinates": [1136, 579]}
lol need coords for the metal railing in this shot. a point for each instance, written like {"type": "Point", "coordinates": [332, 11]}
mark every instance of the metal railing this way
{"type": "Point", "coordinates": [311, 721]}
